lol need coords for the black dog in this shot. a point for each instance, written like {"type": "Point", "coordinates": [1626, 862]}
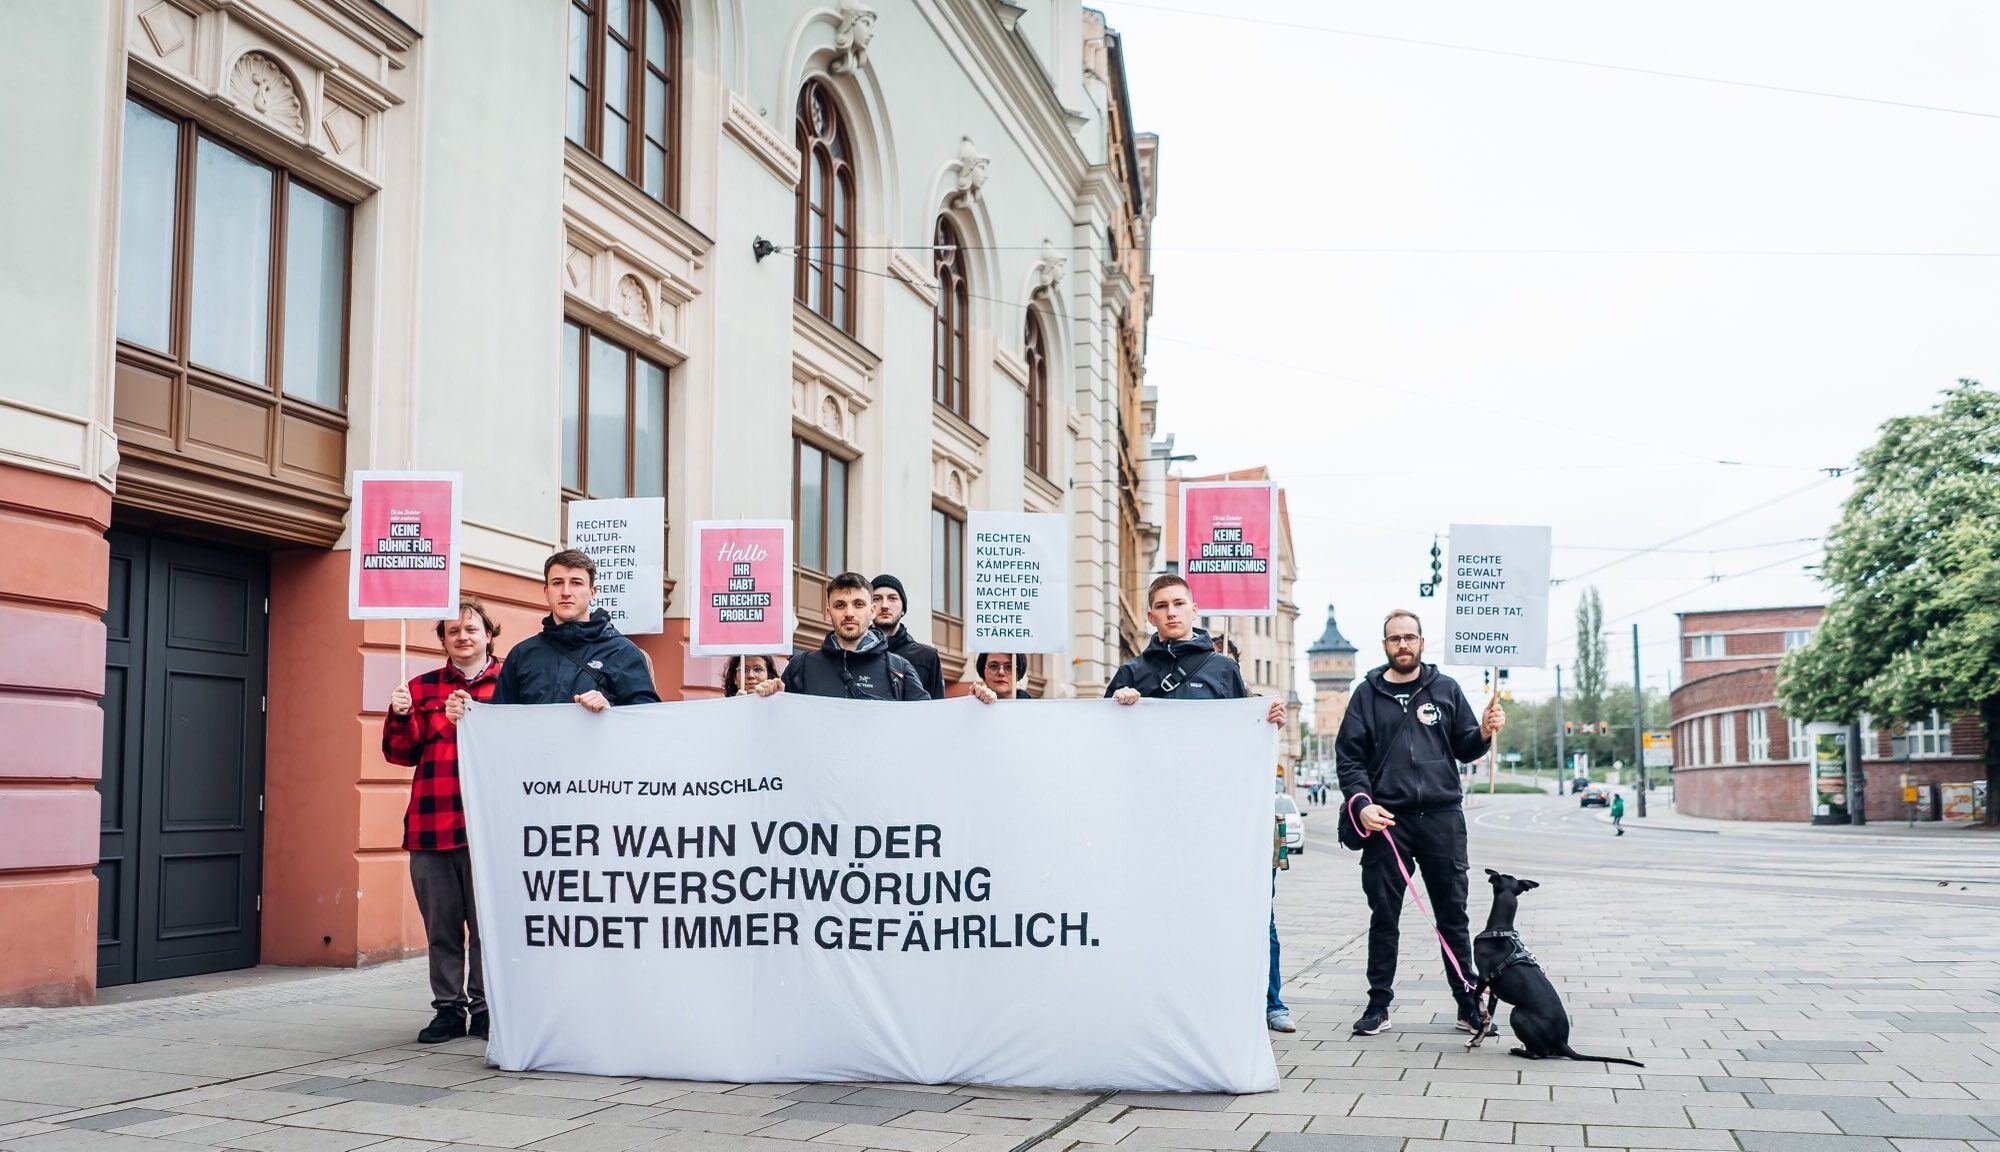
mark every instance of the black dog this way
{"type": "Point", "coordinates": [1509, 972]}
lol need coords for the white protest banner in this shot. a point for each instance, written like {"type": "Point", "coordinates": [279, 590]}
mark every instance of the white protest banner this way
{"type": "Point", "coordinates": [732, 890]}
{"type": "Point", "coordinates": [628, 539]}
{"type": "Point", "coordinates": [1017, 587]}
{"type": "Point", "coordinates": [404, 559]}
{"type": "Point", "coordinates": [742, 576]}
{"type": "Point", "coordinates": [1498, 613]}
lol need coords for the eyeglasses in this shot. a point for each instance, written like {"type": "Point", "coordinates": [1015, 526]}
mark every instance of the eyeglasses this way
{"type": "Point", "coordinates": [1404, 639]}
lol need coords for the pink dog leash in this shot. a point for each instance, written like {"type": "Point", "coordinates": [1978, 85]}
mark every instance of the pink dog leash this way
{"type": "Point", "coordinates": [1408, 882]}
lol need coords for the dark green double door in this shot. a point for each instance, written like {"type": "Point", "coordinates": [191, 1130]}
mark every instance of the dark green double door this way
{"type": "Point", "coordinates": [181, 849]}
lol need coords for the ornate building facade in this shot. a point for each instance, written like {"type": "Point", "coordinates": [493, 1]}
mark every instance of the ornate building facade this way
{"type": "Point", "coordinates": [869, 264]}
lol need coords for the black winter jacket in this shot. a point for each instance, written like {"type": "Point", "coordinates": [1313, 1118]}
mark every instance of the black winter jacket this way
{"type": "Point", "coordinates": [870, 672]}
{"type": "Point", "coordinates": [1419, 772]}
{"type": "Point", "coordinates": [1210, 675]}
{"type": "Point", "coordinates": [922, 657]}
{"type": "Point", "coordinates": [564, 661]}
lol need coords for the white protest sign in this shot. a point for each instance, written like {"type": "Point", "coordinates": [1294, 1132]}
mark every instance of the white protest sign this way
{"type": "Point", "coordinates": [628, 540]}
{"type": "Point", "coordinates": [715, 890]}
{"type": "Point", "coordinates": [1498, 613]}
{"type": "Point", "coordinates": [1017, 586]}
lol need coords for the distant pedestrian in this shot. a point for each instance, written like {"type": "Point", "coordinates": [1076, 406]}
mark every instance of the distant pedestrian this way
{"type": "Point", "coordinates": [416, 734]}
{"type": "Point", "coordinates": [742, 674]}
{"type": "Point", "coordinates": [1618, 813]}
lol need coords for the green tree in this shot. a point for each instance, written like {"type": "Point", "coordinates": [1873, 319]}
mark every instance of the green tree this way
{"type": "Point", "coordinates": [1592, 677]}
{"type": "Point", "coordinates": [1913, 567]}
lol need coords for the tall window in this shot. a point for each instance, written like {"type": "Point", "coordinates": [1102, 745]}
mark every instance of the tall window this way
{"type": "Point", "coordinates": [1035, 349]}
{"type": "Point", "coordinates": [624, 103]}
{"type": "Point", "coordinates": [825, 278]}
{"type": "Point", "coordinates": [230, 270]}
{"type": "Point", "coordinates": [1705, 647]}
{"type": "Point", "coordinates": [1931, 736]}
{"type": "Point", "coordinates": [1798, 745]}
{"type": "Point", "coordinates": [1759, 727]}
{"type": "Point", "coordinates": [949, 356]}
{"type": "Point", "coordinates": [1728, 721]}
{"type": "Point", "coordinates": [614, 419]}
{"type": "Point", "coordinates": [947, 580]}
{"type": "Point", "coordinates": [819, 508]}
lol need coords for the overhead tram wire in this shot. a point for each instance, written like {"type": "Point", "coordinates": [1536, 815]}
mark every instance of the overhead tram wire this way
{"type": "Point", "coordinates": [1706, 582]}
{"type": "Point", "coordinates": [1737, 515]}
{"type": "Point", "coordinates": [1440, 250]}
{"type": "Point", "coordinates": [1569, 61]}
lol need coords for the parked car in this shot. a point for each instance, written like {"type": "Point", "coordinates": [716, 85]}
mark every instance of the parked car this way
{"type": "Point", "coordinates": [1295, 824]}
{"type": "Point", "coordinates": [1579, 784]}
{"type": "Point", "coordinates": [1598, 794]}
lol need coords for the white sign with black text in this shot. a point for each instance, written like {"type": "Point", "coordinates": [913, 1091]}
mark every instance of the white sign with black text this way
{"type": "Point", "coordinates": [628, 540]}
{"type": "Point", "coordinates": [1498, 612]}
{"type": "Point", "coordinates": [715, 890]}
{"type": "Point", "coordinates": [1017, 583]}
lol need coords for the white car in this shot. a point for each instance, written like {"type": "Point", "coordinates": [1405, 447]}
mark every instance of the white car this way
{"type": "Point", "coordinates": [1295, 824]}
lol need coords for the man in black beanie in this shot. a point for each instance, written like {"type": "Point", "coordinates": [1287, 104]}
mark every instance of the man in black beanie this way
{"type": "Point", "coordinates": [891, 605]}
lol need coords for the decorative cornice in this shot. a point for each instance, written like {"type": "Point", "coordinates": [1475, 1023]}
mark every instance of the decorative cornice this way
{"type": "Point", "coordinates": [912, 276]}
{"type": "Point", "coordinates": [659, 222]}
{"type": "Point", "coordinates": [1012, 367]}
{"type": "Point", "coordinates": [762, 141]}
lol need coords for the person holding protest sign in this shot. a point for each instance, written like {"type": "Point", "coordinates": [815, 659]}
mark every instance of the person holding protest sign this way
{"type": "Point", "coordinates": [415, 734]}
{"type": "Point", "coordinates": [891, 604]}
{"type": "Point", "coordinates": [854, 662]}
{"type": "Point", "coordinates": [578, 657]}
{"type": "Point", "coordinates": [1406, 730]}
{"type": "Point", "coordinates": [742, 674]}
{"type": "Point", "coordinates": [1001, 672]}
{"type": "Point", "coordinates": [1184, 663]}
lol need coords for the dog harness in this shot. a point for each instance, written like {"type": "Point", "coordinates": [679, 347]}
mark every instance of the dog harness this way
{"type": "Point", "coordinates": [1519, 956]}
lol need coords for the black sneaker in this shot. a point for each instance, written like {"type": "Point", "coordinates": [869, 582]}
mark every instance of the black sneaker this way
{"type": "Point", "coordinates": [477, 1026]}
{"type": "Point", "coordinates": [1372, 1021]}
{"type": "Point", "coordinates": [449, 1024]}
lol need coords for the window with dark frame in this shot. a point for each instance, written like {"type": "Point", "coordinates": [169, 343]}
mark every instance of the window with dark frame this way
{"type": "Point", "coordinates": [825, 277]}
{"type": "Point", "coordinates": [947, 580]}
{"type": "Point", "coordinates": [624, 90]}
{"type": "Point", "coordinates": [231, 270]}
{"type": "Point", "coordinates": [614, 419]}
{"type": "Point", "coordinates": [819, 508]}
{"type": "Point", "coordinates": [950, 357]}
{"type": "Point", "coordinates": [1034, 349]}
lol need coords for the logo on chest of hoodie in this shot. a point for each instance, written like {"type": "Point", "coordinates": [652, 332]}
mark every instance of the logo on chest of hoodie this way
{"type": "Point", "coordinates": [1427, 714]}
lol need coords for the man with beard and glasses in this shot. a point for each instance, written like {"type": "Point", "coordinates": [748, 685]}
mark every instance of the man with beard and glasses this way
{"type": "Point", "coordinates": [578, 657]}
{"type": "Point", "coordinates": [854, 662]}
{"type": "Point", "coordinates": [1406, 730]}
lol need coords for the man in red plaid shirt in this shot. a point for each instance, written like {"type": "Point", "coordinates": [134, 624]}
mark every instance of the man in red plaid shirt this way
{"type": "Point", "coordinates": [417, 735]}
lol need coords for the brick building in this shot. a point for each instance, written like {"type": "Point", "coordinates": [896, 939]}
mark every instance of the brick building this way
{"type": "Point", "coordinates": [1737, 756]}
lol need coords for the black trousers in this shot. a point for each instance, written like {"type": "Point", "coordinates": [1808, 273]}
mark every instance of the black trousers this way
{"type": "Point", "coordinates": [1432, 845]}
{"type": "Point", "coordinates": [443, 883]}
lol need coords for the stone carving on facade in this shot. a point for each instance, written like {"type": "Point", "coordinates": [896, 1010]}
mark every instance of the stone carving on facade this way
{"type": "Point", "coordinates": [972, 165]}
{"type": "Point", "coordinates": [342, 127]}
{"type": "Point", "coordinates": [1049, 271]}
{"type": "Point", "coordinates": [830, 417]}
{"type": "Point", "coordinates": [852, 35]}
{"type": "Point", "coordinates": [261, 84]}
{"type": "Point", "coordinates": [954, 487]}
{"type": "Point", "coordinates": [162, 25]}
{"type": "Point", "coordinates": [576, 268]}
{"type": "Point", "coordinates": [635, 307]}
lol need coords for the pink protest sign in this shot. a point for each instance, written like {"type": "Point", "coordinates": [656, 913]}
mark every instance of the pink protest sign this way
{"type": "Point", "coordinates": [742, 588]}
{"type": "Point", "coordinates": [405, 528]}
{"type": "Point", "coordinates": [1229, 547]}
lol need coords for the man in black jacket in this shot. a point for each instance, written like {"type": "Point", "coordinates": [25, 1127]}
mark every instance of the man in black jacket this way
{"type": "Point", "coordinates": [1406, 730]}
{"type": "Point", "coordinates": [891, 604]}
{"type": "Point", "coordinates": [854, 662]}
{"type": "Point", "coordinates": [578, 657]}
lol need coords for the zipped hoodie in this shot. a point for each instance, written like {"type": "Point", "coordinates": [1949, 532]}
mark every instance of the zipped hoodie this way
{"type": "Point", "coordinates": [870, 672]}
{"type": "Point", "coordinates": [1210, 675]}
{"type": "Point", "coordinates": [1418, 772]}
{"type": "Point", "coordinates": [563, 661]}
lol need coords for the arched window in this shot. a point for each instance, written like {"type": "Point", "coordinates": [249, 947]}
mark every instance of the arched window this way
{"type": "Point", "coordinates": [950, 357]}
{"type": "Point", "coordinates": [825, 280]}
{"type": "Point", "coordinates": [1035, 350]}
{"type": "Point", "coordinates": [624, 65]}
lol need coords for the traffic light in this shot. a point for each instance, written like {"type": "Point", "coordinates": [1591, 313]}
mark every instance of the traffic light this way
{"type": "Point", "coordinates": [1569, 727]}
{"type": "Point", "coordinates": [1506, 693]}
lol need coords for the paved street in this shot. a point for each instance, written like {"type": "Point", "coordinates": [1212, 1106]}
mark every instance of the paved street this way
{"type": "Point", "coordinates": [1790, 990]}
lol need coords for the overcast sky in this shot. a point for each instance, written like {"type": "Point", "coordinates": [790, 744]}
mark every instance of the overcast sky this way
{"type": "Point", "coordinates": [1708, 282]}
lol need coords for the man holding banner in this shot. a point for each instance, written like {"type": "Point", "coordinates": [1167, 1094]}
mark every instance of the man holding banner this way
{"type": "Point", "coordinates": [578, 657]}
{"type": "Point", "coordinates": [1400, 744]}
{"type": "Point", "coordinates": [854, 662]}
